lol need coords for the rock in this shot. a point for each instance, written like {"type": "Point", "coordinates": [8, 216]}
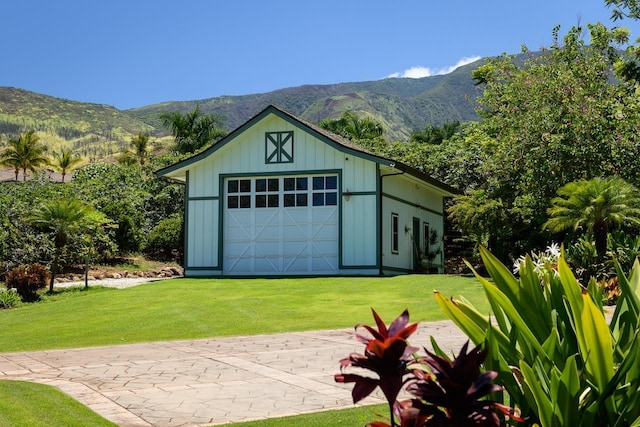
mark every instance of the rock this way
{"type": "Point", "coordinates": [117, 276]}
{"type": "Point", "coordinates": [108, 275]}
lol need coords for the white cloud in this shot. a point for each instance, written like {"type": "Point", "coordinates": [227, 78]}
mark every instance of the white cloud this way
{"type": "Point", "coordinates": [419, 71]}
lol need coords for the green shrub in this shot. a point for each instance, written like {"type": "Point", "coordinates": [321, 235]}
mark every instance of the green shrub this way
{"type": "Point", "coordinates": [559, 358]}
{"type": "Point", "coordinates": [9, 298]}
{"type": "Point", "coordinates": [165, 239]}
{"type": "Point", "coordinates": [27, 280]}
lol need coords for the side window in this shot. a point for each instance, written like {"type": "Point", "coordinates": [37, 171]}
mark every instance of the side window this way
{"type": "Point", "coordinates": [394, 233]}
{"type": "Point", "coordinates": [425, 237]}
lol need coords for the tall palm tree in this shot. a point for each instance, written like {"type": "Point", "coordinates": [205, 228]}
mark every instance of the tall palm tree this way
{"type": "Point", "coordinates": [352, 127]}
{"type": "Point", "coordinates": [140, 146]}
{"type": "Point", "coordinates": [25, 153]}
{"type": "Point", "coordinates": [596, 205]}
{"type": "Point", "coordinates": [65, 161]}
{"type": "Point", "coordinates": [62, 218]}
{"type": "Point", "coordinates": [193, 130]}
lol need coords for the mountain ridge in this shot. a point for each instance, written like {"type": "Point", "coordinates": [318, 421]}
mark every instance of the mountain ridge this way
{"type": "Point", "coordinates": [401, 105]}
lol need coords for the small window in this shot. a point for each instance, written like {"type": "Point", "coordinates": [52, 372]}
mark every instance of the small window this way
{"type": "Point", "coordinates": [331, 199]}
{"type": "Point", "coordinates": [301, 184]}
{"type": "Point", "coordinates": [232, 202]}
{"type": "Point", "coordinates": [289, 200]}
{"type": "Point", "coordinates": [261, 185]}
{"type": "Point", "coordinates": [261, 201]}
{"type": "Point", "coordinates": [318, 183]}
{"type": "Point", "coordinates": [274, 184]}
{"type": "Point", "coordinates": [245, 202]}
{"type": "Point", "coordinates": [425, 237]}
{"type": "Point", "coordinates": [331, 183]}
{"type": "Point", "coordinates": [394, 233]}
{"type": "Point", "coordinates": [318, 199]}
{"type": "Point", "coordinates": [245, 185]}
{"type": "Point", "coordinates": [232, 186]}
{"type": "Point", "coordinates": [274, 200]}
{"type": "Point", "coordinates": [301, 199]}
{"type": "Point", "coordinates": [289, 184]}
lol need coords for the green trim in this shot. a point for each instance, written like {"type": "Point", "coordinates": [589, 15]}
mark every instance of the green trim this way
{"type": "Point", "coordinates": [281, 156]}
{"type": "Point", "coordinates": [378, 219]}
{"type": "Point", "coordinates": [203, 198]}
{"type": "Point", "coordinates": [415, 205]}
{"type": "Point", "coordinates": [360, 267]}
{"type": "Point", "coordinates": [363, 193]}
{"type": "Point", "coordinates": [398, 269]}
{"type": "Point", "coordinates": [223, 176]}
{"type": "Point", "coordinates": [284, 116]}
{"type": "Point", "coordinates": [186, 223]}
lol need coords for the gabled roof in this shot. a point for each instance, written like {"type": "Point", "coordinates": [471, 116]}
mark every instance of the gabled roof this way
{"type": "Point", "coordinates": [177, 171]}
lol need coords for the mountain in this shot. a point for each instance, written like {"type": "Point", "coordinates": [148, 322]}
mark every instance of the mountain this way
{"type": "Point", "coordinates": [402, 105]}
{"type": "Point", "coordinates": [93, 130]}
{"type": "Point", "coordinates": [97, 131]}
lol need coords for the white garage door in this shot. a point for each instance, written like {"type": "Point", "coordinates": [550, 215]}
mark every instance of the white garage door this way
{"type": "Point", "coordinates": [281, 225]}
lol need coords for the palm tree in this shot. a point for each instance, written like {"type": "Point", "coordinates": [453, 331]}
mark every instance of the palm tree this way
{"type": "Point", "coordinates": [140, 145]}
{"type": "Point", "coordinates": [63, 218]}
{"type": "Point", "coordinates": [352, 127]}
{"type": "Point", "coordinates": [65, 160]}
{"type": "Point", "coordinates": [25, 153]}
{"type": "Point", "coordinates": [193, 130]}
{"type": "Point", "coordinates": [596, 205]}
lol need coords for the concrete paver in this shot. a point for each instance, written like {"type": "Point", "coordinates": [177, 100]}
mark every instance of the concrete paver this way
{"type": "Point", "coordinates": [209, 381]}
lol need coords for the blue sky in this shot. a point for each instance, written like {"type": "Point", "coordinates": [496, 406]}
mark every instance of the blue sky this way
{"type": "Point", "coordinates": [139, 52]}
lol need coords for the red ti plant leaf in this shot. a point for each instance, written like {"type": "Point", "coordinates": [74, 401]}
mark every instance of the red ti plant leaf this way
{"type": "Point", "coordinates": [460, 389]}
{"type": "Point", "coordinates": [387, 354]}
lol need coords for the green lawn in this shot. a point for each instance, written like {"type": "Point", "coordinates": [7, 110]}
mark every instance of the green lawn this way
{"type": "Point", "coordinates": [358, 416]}
{"type": "Point", "coordinates": [199, 308]}
{"type": "Point", "coordinates": [30, 404]}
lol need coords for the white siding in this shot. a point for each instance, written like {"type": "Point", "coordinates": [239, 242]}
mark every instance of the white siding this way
{"type": "Point", "coordinates": [202, 241]}
{"type": "Point", "coordinates": [408, 199]}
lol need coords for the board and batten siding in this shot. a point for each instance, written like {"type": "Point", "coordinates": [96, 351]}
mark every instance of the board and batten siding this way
{"type": "Point", "coordinates": [245, 156]}
{"type": "Point", "coordinates": [408, 200]}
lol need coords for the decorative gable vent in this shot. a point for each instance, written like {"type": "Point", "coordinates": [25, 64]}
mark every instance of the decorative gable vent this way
{"type": "Point", "coordinates": [278, 147]}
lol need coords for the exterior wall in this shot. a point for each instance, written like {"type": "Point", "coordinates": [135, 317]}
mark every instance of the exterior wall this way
{"type": "Point", "coordinates": [245, 156]}
{"type": "Point", "coordinates": [408, 199]}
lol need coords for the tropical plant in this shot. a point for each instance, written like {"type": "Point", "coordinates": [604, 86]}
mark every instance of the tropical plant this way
{"type": "Point", "coordinates": [557, 357]}
{"type": "Point", "coordinates": [447, 393]}
{"type": "Point", "coordinates": [25, 153]}
{"type": "Point", "coordinates": [596, 206]}
{"type": "Point", "coordinates": [64, 218]}
{"type": "Point", "coordinates": [435, 135]}
{"type": "Point", "coordinates": [140, 145]}
{"type": "Point", "coordinates": [27, 279]}
{"type": "Point", "coordinates": [9, 298]}
{"type": "Point", "coordinates": [65, 160]}
{"type": "Point", "coordinates": [352, 127]}
{"type": "Point", "coordinates": [193, 130]}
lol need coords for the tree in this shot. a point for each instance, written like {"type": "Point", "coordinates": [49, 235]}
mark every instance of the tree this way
{"type": "Point", "coordinates": [596, 205]}
{"type": "Point", "coordinates": [25, 153]}
{"type": "Point", "coordinates": [352, 127]}
{"type": "Point", "coordinates": [193, 130]}
{"type": "Point", "coordinates": [435, 135]}
{"type": "Point", "coordinates": [623, 9]}
{"type": "Point", "coordinates": [63, 218]}
{"type": "Point", "coordinates": [140, 146]}
{"type": "Point", "coordinates": [552, 118]}
{"type": "Point", "coordinates": [65, 161]}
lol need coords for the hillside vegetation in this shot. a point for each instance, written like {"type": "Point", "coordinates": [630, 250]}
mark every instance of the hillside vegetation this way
{"type": "Point", "coordinates": [97, 132]}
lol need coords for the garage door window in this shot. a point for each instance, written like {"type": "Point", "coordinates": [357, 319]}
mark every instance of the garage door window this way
{"type": "Point", "coordinates": [235, 197]}
{"type": "Point", "coordinates": [286, 192]}
{"type": "Point", "coordinates": [267, 193]}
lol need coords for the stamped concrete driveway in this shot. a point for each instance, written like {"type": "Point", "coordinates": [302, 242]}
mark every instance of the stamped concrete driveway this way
{"type": "Point", "coordinates": [210, 381]}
